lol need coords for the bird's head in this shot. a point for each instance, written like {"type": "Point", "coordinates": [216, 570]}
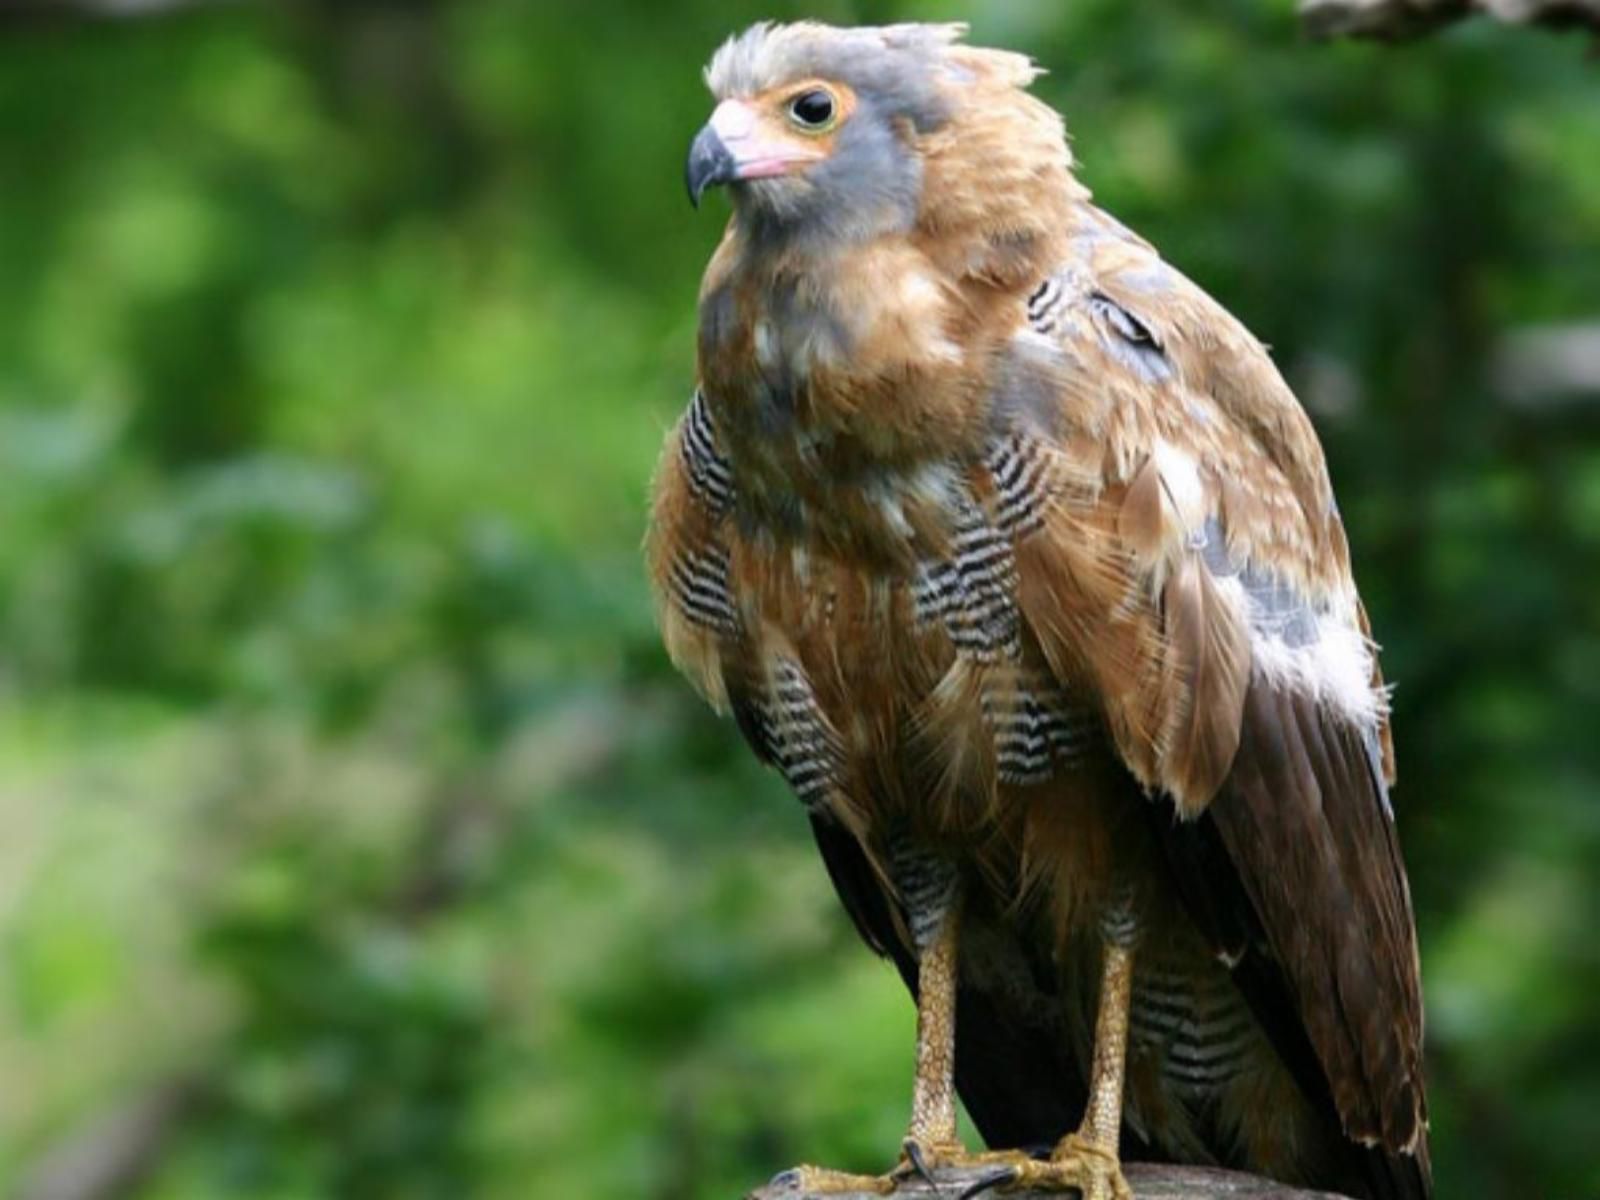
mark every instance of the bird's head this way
{"type": "Point", "coordinates": [821, 132]}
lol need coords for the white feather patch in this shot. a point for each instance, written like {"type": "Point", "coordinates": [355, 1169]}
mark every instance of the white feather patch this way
{"type": "Point", "coordinates": [1183, 495]}
{"type": "Point", "coordinates": [1335, 670]}
{"type": "Point", "coordinates": [766, 345]}
{"type": "Point", "coordinates": [934, 484]}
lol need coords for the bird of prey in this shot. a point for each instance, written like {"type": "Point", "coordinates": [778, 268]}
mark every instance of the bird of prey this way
{"type": "Point", "coordinates": [1010, 549]}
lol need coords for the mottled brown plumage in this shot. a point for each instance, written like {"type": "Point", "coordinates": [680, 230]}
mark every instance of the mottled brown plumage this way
{"type": "Point", "coordinates": [1011, 550]}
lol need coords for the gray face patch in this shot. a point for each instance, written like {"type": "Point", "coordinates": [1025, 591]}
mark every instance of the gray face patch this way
{"type": "Point", "coordinates": [871, 185]}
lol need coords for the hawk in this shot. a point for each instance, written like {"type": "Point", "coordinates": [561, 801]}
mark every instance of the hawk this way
{"type": "Point", "coordinates": [1010, 549]}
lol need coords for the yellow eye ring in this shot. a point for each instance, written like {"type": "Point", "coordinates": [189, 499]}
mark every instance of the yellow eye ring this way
{"type": "Point", "coordinates": [814, 110]}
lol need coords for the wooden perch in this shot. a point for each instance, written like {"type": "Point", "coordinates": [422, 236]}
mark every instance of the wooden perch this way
{"type": "Point", "coordinates": [1149, 1182]}
{"type": "Point", "coordinates": [1394, 19]}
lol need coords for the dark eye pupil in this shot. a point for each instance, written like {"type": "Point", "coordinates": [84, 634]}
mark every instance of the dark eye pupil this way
{"type": "Point", "coordinates": [813, 108]}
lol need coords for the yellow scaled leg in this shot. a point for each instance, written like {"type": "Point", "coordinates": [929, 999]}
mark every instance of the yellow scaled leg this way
{"type": "Point", "coordinates": [933, 1091]}
{"type": "Point", "coordinates": [931, 1138]}
{"type": "Point", "coordinates": [1086, 1160]}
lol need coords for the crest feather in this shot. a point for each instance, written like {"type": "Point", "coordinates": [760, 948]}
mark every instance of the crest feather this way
{"type": "Point", "coordinates": [909, 63]}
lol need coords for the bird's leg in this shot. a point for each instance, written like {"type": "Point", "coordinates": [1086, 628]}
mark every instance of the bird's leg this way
{"type": "Point", "coordinates": [1087, 1159]}
{"type": "Point", "coordinates": [930, 890]}
{"type": "Point", "coordinates": [1094, 1145]}
{"type": "Point", "coordinates": [932, 894]}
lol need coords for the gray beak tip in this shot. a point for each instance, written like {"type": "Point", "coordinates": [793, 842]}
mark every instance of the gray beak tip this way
{"type": "Point", "coordinates": [710, 163]}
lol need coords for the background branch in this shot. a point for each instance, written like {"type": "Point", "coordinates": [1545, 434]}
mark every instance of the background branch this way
{"type": "Point", "coordinates": [1392, 19]}
{"type": "Point", "coordinates": [113, 1154]}
{"type": "Point", "coordinates": [34, 10]}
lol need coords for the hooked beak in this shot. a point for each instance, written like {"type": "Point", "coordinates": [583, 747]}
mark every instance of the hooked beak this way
{"type": "Point", "coordinates": [710, 163]}
{"type": "Point", "coordinates": [730, 148]}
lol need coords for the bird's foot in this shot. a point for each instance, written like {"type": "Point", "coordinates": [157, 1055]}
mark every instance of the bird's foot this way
{"type": "Point", "coordinates": [944, 1166]}
{"type": "Point", "coordinates": [928, 1160]}
{"type": "Point", "coordinates": [949, 1168]}
{"type": "Point", "coordinates": [1076, 1164]}
{"type": "Point", "coordinates": [809, 1180]}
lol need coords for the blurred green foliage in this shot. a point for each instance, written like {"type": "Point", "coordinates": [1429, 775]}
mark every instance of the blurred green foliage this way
{"type": "Point", "coordinates": [341, 776]}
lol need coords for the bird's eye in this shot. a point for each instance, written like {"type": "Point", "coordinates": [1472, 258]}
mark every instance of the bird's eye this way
{"type": "Point", "coordinates": [812, 110]}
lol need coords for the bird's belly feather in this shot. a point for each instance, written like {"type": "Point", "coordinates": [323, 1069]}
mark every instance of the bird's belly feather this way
{"type": "Point", "coordinates": [872, 643]}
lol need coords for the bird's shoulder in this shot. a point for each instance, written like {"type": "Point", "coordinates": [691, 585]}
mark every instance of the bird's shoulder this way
{"type": "Point", "coordinates": [1191, 540]}
{"type": "Point", "coordinates": [1148, 364]}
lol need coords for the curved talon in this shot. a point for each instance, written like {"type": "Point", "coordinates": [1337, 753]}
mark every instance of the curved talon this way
{"type": "Point", "coordinates": [994, 1179]}
{"type": "Point", "coordinates": [919, 1162]}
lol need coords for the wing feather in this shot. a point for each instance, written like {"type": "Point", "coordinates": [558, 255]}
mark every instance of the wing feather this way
{"type": "Point", "coordinates": [1208, 664]}
{"type": "Point", "coordinates": [1232, 662]}
{"type": "Point", "coordinates": [1303, 821]}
